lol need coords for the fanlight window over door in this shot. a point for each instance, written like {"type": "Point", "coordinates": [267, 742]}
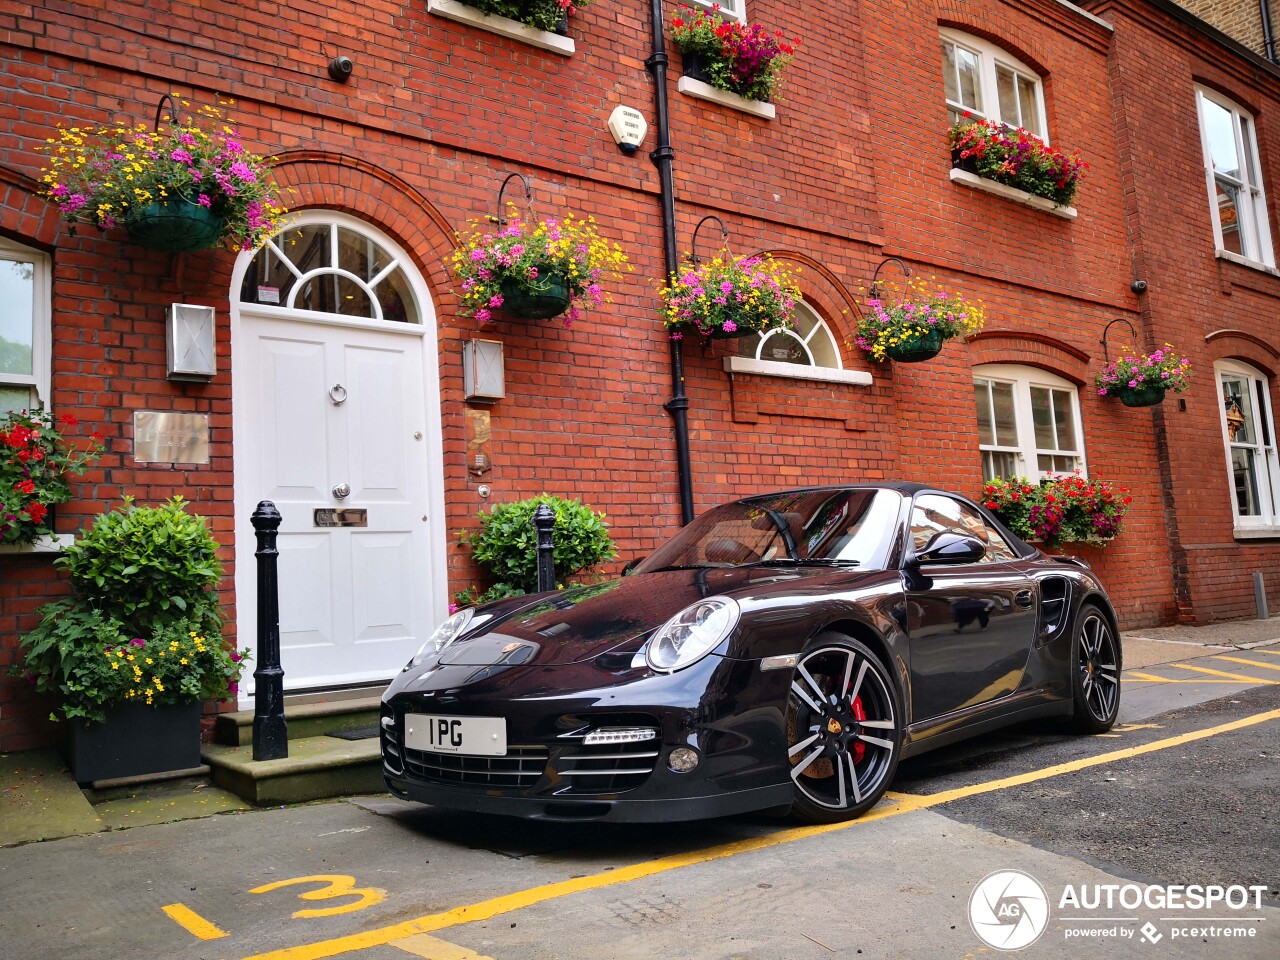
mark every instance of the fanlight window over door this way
{"type": "Point", "coordinates": [808, 343]}
{"type": "Point", "coordinates": [330, 267]}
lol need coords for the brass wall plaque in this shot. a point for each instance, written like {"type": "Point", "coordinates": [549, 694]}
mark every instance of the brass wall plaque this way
{"type": "Point", "coordinates": [170, 437]}
{"type": "Point", "coordinates": [341, 517]}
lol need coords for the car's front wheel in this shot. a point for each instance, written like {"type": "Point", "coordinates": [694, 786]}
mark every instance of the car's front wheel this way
{"type": "Point", "coordinates": [844, 730]}
{"type": "Point", "coordinates": [1095, 680]}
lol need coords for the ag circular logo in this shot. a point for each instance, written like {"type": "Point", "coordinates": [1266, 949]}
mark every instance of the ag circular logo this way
{"type": "Point", "coordinates": [1008, 910]}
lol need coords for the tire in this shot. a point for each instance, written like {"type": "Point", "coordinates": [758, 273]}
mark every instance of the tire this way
{"type": "Point", "coordinates": [1095, 671]}
{"type": "Point", "coordinates": [844, 730]}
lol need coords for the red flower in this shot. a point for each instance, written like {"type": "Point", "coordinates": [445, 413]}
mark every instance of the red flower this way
{"type": "Point", "coordinates": [25, 486]}
{"type": "Point", "coordinates": [36, 511]}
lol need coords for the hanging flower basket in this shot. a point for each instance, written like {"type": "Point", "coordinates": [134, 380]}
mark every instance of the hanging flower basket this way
{"type": "Point", "coordinates": [909, 321]}
{"type": "Point", "coordinates": [548, 296]}
{"type": "Point", "coordinates": [1143, 395]}
{"type": "Point", "coordinates": [728, 297]}
{"type": "Point", "coordinates": [535, 270]}
{"type": "Point", "coordinates": [917, 348]}
{"type": "Point", "coordinates": [188, 185]}
{"type": "Point", "coordinates": [175, 227]}
{"type": "Point", "coordinates": [1142, 379]}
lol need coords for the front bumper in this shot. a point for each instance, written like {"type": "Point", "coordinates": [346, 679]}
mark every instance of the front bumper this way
{"type": "Point", "coordinates": [717, 708]}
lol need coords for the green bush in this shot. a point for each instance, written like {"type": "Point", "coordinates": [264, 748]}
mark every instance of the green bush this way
{"type": "Point", "coordinates": [143, 624]}
{"type": "Point", "coordinates": [506, 545]}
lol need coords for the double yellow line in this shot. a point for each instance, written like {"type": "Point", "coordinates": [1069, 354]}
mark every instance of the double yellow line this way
{"type": "Point", "coordinates": [902, 803]}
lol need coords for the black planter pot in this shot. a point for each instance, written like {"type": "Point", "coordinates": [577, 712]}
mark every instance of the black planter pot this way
{"type": "Point", "coordinates": [548, 298]}
{"type": "Point", "coordinates": [694, 66]}
{"type": "Point", "coordinates": [967, 164]}
{"type": "Point", "coordinates": [917, 349]}
{"type": "Point", "coordinates": [135, 739]}
{"type": "Point", "coordinates": [1145, 395]}
{"type": "Point", "coordinates": [175, 226]}
{"type": "Point", "coordinates": [562, 26]}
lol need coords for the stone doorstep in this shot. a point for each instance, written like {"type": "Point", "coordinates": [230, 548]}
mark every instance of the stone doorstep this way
{"type": "Point", "coordinates": [317, 767]}
{"type": "Point", "coordinates": [302, 719]}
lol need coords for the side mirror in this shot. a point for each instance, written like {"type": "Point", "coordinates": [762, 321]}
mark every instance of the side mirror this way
{"type": "Point", "coordinates": [630, 568]}
{"type": "Point", "coordinates": [950, 548]}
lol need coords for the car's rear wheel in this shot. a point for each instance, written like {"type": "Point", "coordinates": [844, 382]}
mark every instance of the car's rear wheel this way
{"type": "Point", "coordinates": [844, 730]}
{"type": "Point", "coordinates": [1095, 671]}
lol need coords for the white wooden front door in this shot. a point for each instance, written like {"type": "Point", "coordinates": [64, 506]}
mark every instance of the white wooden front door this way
{"type": "Point", "coordinates": [330, 409]}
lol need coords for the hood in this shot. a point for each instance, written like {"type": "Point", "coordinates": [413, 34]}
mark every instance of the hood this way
{"type": "Point", "coordinates": [617, 616]}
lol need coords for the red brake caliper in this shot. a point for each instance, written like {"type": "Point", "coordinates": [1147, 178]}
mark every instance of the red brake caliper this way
{"type": "Point", "coordinates": [859, 748]}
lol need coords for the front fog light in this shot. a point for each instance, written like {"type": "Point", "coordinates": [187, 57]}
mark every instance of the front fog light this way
{"type": "Point", "coordinates": [682, 760]}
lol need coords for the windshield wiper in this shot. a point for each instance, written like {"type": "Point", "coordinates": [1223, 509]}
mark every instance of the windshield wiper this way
{"type": "Point", "coordinates": [696, 566]}
{"type": "Point", "coordinates": [805, 562]}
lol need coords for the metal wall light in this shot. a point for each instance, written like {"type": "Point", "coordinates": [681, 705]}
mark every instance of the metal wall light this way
{"type": "Point", "coordinates": [190, 342]}
{"type": "Point", "coordinates": [483, 379]}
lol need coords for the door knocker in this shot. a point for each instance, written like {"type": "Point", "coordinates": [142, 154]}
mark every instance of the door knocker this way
{"type": "Point", "coordinates": [338, 394]}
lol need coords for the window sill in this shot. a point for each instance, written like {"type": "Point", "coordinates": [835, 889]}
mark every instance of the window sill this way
{"type": "Point", "coordinates": [1011, 193]}
{"type": "Point", "coordinates": [461, 13]}
{"type": "Point", "coordinates": [1246, 262]}
{"type": "Point", "coordinates": [708, 5]}
{"type": "Point", "coordinates": [53, 544]}
{"type": "Point", "coordinates": [793, 371]}
{"type": "Point", "coordinates": [704, 91]}
{"type": "Point", "coordinates": [1257, 533]}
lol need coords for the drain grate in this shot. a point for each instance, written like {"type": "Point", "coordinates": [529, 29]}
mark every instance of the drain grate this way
{"type": "Point", "coordinates": [355, 733]}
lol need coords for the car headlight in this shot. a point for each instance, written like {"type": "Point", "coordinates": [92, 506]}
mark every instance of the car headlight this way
{"type": "Point", "coordinates": [444, 635]}
{"type": "Point", "coordinates": [691, 634]}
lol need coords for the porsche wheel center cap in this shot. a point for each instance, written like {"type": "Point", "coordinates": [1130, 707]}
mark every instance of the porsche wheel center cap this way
{"type": "Point", "coordinates": [834, 727]}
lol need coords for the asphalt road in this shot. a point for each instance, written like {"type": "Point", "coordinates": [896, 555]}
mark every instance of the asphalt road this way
{"type": "Point", "coordinates": [1185, 796]}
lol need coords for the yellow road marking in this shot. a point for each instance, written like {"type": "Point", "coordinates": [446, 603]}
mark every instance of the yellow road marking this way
{"type": "Point", "coordinates": [1149, 676]}
{"type": "Point", "coordinates": [1274, 653]}
{"type": "Point", "coordinates": [907, 803]}
{"type": "Point", "coordinates": [432, 949]}
{"type": "Point", "coordinates": [1252, 663]}
{"type": "Point", "coordinates": [1219, 673]}
{"type": "Point", "coordinates": [335, 885]}
{"type": "Point", "coordinates": [192, 922]}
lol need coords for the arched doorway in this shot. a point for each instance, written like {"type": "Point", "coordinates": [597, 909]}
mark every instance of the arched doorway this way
{"type": "Point", "coordinates": [336, 419]}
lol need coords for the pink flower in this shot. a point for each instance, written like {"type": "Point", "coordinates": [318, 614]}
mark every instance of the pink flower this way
{"type": "Point", "coordinates": [729, 326]}
{"type": "Point", "coordinates": [495, 302]}
{"type": "Point", "coordinates": [483, 315]}
{"type": "Point", "coordinates": [477, 256]}
{"type": "Point", "coordinates": [204, 201]}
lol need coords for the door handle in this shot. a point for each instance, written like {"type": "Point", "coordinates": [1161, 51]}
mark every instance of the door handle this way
{"type": "Point", "coordinates": [342, 491]}
{"type": "Point", "coordinates": [1022, 598]}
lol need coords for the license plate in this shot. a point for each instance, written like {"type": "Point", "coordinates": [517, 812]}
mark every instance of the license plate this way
{"type": "Point", "coordinates": [472, 736]}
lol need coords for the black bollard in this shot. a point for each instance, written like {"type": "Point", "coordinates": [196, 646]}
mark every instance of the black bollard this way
{"type": "Point", "coordinates": [270, 734]}
{"type": "Point", "coordinates": [544, 521]}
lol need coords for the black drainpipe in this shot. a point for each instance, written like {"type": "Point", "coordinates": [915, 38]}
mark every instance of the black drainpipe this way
{"type": "Point", "coordinates": [678, 405]}
{"type": "Point", "coordinates": [1268, 41]}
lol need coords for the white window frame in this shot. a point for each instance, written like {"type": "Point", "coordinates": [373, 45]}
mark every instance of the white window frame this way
{"type": "Point", "coordinates": [729, 9]}
{"type": "Point", "coordinates": [1255, 228]}
{"type": "Point", "coordinates": [989, 55]}
{"type": "Point", "coordinates": [42, 323]}
{"type": "Point", "coordinates": [1023, 378]}
{"type": "Point", "coordinates": [1268, 522]}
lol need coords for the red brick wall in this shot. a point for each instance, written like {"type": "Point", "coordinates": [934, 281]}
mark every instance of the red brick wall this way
{"type": "Point", "coordinates": [854, 168]}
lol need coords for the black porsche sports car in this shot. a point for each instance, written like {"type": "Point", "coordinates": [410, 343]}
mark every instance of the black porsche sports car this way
{"type": "Point", "coordinates": [783, 650]}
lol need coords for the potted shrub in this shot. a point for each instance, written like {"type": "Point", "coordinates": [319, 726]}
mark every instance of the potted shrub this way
{"type": "Point", "coordinates": [550, 15]}
{"type": "Point", "coordinates": [910, 321]}
{"type": "Point", "coordinates": [729, 296]}
{"type": "Point", "coordinates": [535, 272]}
{"type": "Point", "coordinates": [137, 647]}
{"type": "Point", "coordinates": [747, 60]}
{"type": "Point", "coordinates": [1058, 510]}
{"type": "Point", "coordinates": [506, 545]}
{"type": "Point", "coordinates": [188, 186]}
{"type": "Point", "coordinates": [1016, 158]}
{"type": "Point", "coordinates": [1141, 380]}
{"type": "Point", "coordinates": [35, 460]}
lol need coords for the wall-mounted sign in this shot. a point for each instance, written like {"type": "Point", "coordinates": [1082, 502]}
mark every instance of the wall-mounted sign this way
{"type": "Point", "coordinates": [170, 437]}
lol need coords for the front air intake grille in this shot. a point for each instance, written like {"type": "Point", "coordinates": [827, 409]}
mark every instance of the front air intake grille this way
{"type": "Point", "coordinates": [392, 754]}
{"type": "Point", "coordinates": [607, 768]}
{"type": "Point", "coordinates": [520, 767]}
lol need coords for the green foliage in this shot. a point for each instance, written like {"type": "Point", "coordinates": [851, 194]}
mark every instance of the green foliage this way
{"type": "Point", "coordinates": [507, 545]}
{"type": "Point", "coordinates": [143, 625]}
{"type": "Point", "coordinates": [140, 564]}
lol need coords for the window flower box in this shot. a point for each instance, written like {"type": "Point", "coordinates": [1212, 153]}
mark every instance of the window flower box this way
{"type": "Point", "coordinates": [1015, 159]}
{"type": "Point", "coordinates": [543, 24]}
{"type": "Point", "coordinates": [727, 62]}
{"type": "Point", "coordinates": [1058, 510]}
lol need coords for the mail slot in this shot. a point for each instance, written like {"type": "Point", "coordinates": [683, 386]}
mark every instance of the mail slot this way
{"type": "Point", "coordinates": [342, 517]}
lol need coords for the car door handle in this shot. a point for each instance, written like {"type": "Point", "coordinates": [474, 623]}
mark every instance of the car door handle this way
{"type": "Point", "coordinates": [1022, 598]}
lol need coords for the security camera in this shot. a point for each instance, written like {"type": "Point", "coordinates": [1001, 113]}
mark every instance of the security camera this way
{"type": "Point", "coordinates": [1138, 286]}
{"type": "Point", "coordinates": [340, 69]}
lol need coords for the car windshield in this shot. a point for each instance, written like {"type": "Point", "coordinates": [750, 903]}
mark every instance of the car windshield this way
{"type": "Point", "coordinates": [819, 527]}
